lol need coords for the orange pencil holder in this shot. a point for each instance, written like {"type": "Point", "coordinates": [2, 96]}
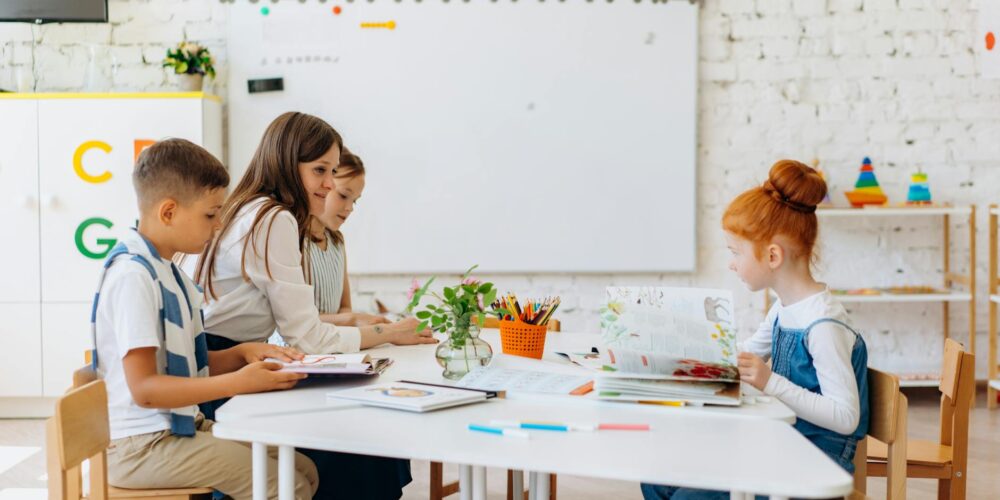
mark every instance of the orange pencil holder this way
{"type": "Point", "coordinates": [521, 339]}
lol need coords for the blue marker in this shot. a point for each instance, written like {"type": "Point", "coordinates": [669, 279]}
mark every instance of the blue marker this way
{"type": "Point", "coordinates": [499, 431]}
{"type": "Point", "coordinates": [543, 426]}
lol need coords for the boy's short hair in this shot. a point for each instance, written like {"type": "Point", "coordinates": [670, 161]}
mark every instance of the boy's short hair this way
{"type": "Point", "coordinates": [178, 169]}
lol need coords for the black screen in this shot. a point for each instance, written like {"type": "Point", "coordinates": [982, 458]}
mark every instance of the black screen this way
{"type": "Point", "coordinates": [95, 11]}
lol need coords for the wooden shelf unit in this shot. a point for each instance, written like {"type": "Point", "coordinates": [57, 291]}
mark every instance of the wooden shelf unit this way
{"type": "Point", "coordinates": [951, 280]}
{"type": "Point", "coordinates": [994, 281]}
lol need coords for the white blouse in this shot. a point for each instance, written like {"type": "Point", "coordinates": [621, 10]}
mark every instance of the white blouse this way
{"type": "Point", "coordinates": [251, 311]}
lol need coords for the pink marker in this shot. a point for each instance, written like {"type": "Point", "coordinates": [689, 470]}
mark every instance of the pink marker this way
{"type": "Point", "coordinates": [623, 427]}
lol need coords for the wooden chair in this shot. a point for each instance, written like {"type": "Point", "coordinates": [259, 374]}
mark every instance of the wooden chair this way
{"type": "Point", "coordinates": [79, 431]}
{"type": "Point", "coordinates": [439, 489]}
{"type": "Point", "coordinates": [887, 423]}
{"type": "Point", "coordinates": [947, 459]}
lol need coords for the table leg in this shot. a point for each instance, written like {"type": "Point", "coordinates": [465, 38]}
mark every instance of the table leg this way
{"type": "Point", "coordinates": [543, 486]}
{"type": "Point", "coordinates": [465, 482]}
{"type": "Point", "coordinates": [259, 460]}
{"type": "Point", "coordinates": [479, 483]}
{"type": "Point", "coordinates": [517, 483]}
{"type": "Point", "coordinates": [286, 473]}
{"type": "Point", "coordinates": [538, 485]}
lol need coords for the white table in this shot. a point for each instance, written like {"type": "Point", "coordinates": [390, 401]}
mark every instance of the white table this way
{"type": "Point", "coordinates": [701, 447]}
{"type": "Point", "coordinates": [417, 363]}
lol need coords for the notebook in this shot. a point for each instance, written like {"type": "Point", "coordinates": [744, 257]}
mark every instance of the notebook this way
{"type": "Point", "coordinates": [411, 396]}
{"type": "Point", "coordinates": [667, 344]}
{"type": "Point", "coordinates": [336, 365]}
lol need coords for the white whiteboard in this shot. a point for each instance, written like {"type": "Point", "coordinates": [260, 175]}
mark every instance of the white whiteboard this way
{"type": "Point", "coordinates": [521, 136]}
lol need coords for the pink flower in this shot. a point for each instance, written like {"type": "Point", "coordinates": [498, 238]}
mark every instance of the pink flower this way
{"type": "Point", "coordinates": [471, 281]}
{"type": "Point", "coordinates": [414, 286]}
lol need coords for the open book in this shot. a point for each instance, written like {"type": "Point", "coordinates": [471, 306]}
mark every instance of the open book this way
{"type": "Point", "coordinates": [336, 365]}
{"type": "Point", "coordinates": [667, 344]}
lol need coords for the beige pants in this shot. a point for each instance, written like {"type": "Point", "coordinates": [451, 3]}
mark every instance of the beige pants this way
{"type": "Point", "coordinates": [163, 460]}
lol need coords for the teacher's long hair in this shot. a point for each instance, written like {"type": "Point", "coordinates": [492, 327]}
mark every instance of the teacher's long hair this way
{"type": "Point", "coordinates": [273, 174]}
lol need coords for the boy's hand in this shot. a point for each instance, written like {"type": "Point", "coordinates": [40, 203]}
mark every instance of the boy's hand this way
{"type": "Point", "coordinates": [251, 352]}
{"type": "Point", "coordinates": [753, 370]}
{"type": "Point", "coordinates": [264, 376]}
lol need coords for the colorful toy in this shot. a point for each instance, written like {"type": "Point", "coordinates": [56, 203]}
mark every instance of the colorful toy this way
{"type": "Point", "coordinates": [866, 190]}
{"type": "Point", "coordinates": [920, 191]}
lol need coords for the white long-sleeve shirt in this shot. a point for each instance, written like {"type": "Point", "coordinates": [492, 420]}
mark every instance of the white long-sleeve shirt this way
{"type": "Point", "coordinates": [251, 311]}
{"type": "Point", "coordinates": [837, 407]}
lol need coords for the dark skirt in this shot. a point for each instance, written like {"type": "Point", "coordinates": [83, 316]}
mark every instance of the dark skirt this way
{"type": "Point", "coordinates": [341, 475]}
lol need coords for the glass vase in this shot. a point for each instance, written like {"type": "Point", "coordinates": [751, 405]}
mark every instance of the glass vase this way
{"type": "Point", "coordinates": [462, 352]}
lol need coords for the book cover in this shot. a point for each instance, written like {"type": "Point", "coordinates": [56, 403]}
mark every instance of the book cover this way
{"type": "Point", "coordinates": [410, 396]}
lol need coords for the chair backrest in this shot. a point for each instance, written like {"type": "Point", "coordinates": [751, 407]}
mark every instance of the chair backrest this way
{"type": "Point", "coordinates": [958, 385]}
{"type": "Point", "coordinates": [884, 406]}
{"type": "Point", "coordinates": [887, 412]}
{"type": "Point", "coordinates": [553, 324]}
{"type": "Point", "coordinates": [79, 431]}
{"type": "Point", "coordinates": [84, 376]}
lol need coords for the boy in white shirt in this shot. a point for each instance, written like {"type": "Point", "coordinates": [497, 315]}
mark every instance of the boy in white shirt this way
{"type": "Point", "coordinates": [150, 345]}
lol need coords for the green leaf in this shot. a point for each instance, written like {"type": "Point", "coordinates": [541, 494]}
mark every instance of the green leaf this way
{"type": "Point", "coordinates": [449, 293]}
{"type": "Point", "coordinates": [481, 319]}
{"type": "Point", "coordinates": [469, 289]}
{"type": "Point", "coordinates": [421, 326]}
{"type": "Point", "coordinates": [423, 314]}
{"type": "Point", "coordinates": [437, 320]}
{"type": "Point", "coordinates": [467, 273]}
{"type": "Point", "coordinates": [489, 297]}
{"type": "Point", "coordinates": [485, 287]}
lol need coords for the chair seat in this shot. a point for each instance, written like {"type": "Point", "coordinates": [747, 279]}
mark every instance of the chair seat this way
{"type": "Point", "coordinates": [156, 493]}
{"type": "Point", "coordinates": [918, 452]}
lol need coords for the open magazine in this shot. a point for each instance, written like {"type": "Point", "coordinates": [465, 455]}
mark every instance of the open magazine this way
{"type": "Point", "coordinates": [336, 365]}
{"type": "Point", "coordinates": [667, 344]}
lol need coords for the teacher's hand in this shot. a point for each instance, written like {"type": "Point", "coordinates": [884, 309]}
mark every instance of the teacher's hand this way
{"type": "Point", "coordinates": [364, 319]}
{"type": "Point", "coordinates": [407, 334]}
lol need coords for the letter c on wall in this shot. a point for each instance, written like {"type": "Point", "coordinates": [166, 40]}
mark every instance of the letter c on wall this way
{"type": "Point", "coordinates": [78, 162]}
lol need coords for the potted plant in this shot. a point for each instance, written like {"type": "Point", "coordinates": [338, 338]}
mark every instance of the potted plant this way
{"type": "Point", "coordinates": [190, 62]}
{"type": "Point", "coordinates": [459, 313]}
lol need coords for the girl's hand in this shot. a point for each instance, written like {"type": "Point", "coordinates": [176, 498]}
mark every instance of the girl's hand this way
{"type": "Point", "coordinates": [252, 352]}
{"type": "Point", "coordinates": [753, 370]}
{"type": "Point", "coordinates": [363, 319]}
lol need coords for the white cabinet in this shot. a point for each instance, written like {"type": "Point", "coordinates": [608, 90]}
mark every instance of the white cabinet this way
{"type": "Point", "coordinates": [20, 333]}
{"type": "Point", "coordinates": [65, 338]}
{"type": "Point", "coordinates": [66, 165]}
{"type": "Point", "coordinates": [19, 202]}
{"type": "Point", "coordinates": [87, 149]}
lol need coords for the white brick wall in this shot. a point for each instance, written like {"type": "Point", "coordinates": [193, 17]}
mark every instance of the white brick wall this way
{"type": "Point", "coordinates": [835, 79]}
{"type": "Point", "coordinates": [126, 51]}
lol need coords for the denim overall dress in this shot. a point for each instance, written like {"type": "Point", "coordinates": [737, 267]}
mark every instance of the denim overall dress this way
{"type": "Point", "coordinates": [790, 358]}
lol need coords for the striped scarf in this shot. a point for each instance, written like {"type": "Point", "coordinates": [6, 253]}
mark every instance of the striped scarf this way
{"type": "Point", "coordinates": [182, 329]}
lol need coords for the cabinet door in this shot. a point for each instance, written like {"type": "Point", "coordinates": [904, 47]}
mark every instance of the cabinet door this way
{"type": "Point", "coordinates": [21, 337]}
{"type": "Point", "coordinates": [87, 153]}
{"type": "Point", "coordinates": [19, 200]}
{"type": "Point", "coordinates": [65, 339]}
